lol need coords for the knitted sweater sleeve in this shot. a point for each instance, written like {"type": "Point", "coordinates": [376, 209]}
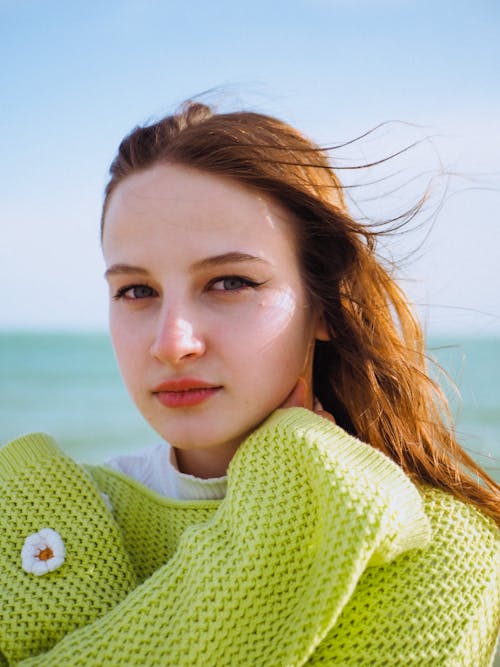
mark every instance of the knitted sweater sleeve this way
{"type": "Point", "coordinates": [308, 509]}
{"type": "Point", "coordinates": [42, 488]}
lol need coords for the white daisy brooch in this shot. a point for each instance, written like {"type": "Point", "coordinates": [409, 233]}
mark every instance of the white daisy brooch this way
{"type": "Point", "coordinates": [43, 552]}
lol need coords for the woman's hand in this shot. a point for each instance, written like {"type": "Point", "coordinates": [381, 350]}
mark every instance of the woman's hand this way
{"type": "Point", "coordinates": [301, 397]}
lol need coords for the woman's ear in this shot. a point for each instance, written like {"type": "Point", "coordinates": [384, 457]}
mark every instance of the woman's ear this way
{"type": "Point", "coordinates": [321, 332]}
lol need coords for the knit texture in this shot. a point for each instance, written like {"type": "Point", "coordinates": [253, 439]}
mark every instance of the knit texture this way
{"type": "Point", "coordinates": [322, 552]}
{"type": "Point", "coordinates": [42, 488]}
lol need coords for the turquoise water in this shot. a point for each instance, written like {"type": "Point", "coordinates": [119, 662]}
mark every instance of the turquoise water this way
{"type": "Point", "coordinates": [68, 385]}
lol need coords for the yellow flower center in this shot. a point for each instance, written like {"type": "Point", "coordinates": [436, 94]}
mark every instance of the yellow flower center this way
{"type": "Point", "coordinates": [45, 554]}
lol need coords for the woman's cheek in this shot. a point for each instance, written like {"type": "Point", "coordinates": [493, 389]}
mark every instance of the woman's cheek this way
{"type": "Point", "coordinates": [276, 317]}
{"type": "Point", "coordinates": [277, 343]}
{"type": "Point", "coordinates": [129, 353]}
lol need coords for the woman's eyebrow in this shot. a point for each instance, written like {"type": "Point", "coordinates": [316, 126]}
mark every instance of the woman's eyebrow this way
{"type": "Point", "coordinates": [226, 258]}
{"type": "Point", "coordinates": [207, 262]}
{"type": "Point", "coordinates": [120, 269]}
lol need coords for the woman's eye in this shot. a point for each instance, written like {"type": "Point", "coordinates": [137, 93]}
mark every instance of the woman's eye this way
{"type": "Point", "coordinates": [232, 284]}
{"type": "Point", "coordinates": [135, 292]}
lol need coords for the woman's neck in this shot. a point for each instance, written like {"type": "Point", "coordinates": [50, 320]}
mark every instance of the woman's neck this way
{"type": "Point", "coordinates": [204, 463]}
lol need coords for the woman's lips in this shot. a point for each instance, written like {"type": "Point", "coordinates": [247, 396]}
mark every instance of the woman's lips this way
{"type": "Point", "coordinates": [185, 392]}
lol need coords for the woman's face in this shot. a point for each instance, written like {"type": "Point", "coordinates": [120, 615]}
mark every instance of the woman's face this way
{"type": "Point", "coordinates": [209, 318]}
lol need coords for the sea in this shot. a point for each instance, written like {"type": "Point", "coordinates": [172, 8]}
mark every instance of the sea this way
{"type": "Point", "coordinates": [67, 384]}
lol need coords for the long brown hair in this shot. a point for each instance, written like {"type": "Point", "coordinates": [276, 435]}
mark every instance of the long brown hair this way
{"type": "Point", "coordinates": [372, 374]}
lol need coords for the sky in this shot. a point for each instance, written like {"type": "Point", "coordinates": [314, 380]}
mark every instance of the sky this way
{"type": "Point", "coordinates": [77, 76]}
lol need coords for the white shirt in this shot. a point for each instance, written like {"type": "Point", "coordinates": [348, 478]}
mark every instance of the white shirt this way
{"type": "Point", "coordinates": [156, 468]}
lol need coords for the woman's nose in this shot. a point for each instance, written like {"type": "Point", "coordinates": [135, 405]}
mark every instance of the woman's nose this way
{"type": "Point", "coordinates": [176, 340]}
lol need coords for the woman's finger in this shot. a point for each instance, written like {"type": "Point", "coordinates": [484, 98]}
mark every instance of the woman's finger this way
{"type": "Point", "coordinates": [297, 398]}
{"type": "Point", "coordinates": [325, 415]}
{"type": "Point", "coordinates": [319, 410]}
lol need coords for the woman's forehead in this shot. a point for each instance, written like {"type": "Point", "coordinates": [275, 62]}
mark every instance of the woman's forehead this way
{"type": "Point", "coordinates": [176, 201]}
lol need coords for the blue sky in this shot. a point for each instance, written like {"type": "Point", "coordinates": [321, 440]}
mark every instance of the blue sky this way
{"type": "Point", "coordinates": [76, 76]}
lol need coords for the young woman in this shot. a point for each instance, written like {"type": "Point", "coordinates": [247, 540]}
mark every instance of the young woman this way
{"type": "Point", "coordinates": [313, 506]}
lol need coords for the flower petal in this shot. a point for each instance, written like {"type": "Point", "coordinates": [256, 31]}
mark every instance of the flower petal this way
{"type": "Point", "coordinates": [37, 544]}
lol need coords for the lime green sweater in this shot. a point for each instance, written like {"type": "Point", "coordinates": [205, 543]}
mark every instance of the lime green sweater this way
{"type": "Point", "coordinates": [322, 553]}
